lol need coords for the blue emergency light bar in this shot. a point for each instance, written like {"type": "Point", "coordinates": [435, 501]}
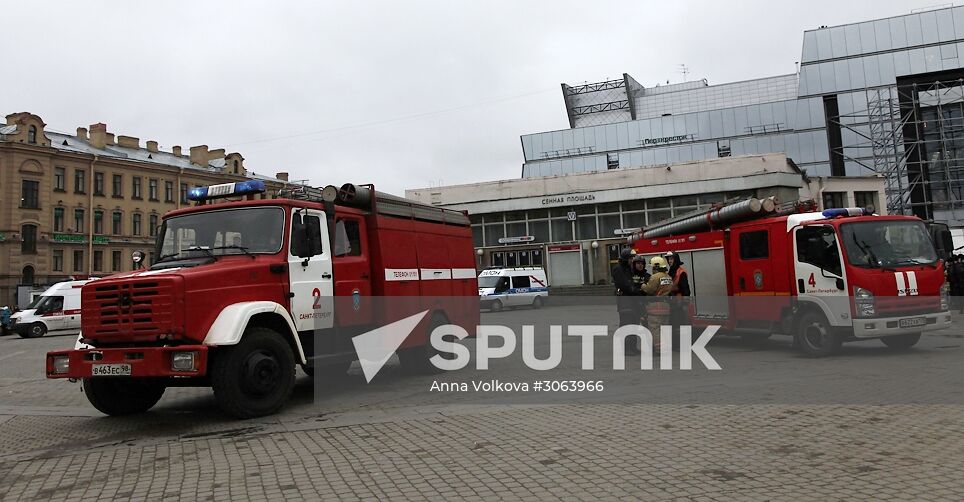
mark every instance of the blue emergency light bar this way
{"type": "Point", "coordinates": [845, 211]}
{"type": "Point", "coordinates": [226, 190]}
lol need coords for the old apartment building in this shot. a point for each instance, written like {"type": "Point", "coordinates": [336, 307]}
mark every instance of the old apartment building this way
{"type": "Point", "coordinates": [77, 205]}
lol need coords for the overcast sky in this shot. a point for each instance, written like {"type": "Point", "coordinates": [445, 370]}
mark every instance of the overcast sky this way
{"type": "Point", "coordinates": [400, 94]}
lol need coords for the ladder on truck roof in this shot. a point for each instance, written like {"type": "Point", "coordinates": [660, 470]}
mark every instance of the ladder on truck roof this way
{"type": "Point", "coordinates": [720, 215]}
{"type": "Point", "coordinates": [366, 198]}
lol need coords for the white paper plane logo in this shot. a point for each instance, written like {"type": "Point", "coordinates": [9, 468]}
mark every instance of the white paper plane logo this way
{"type": "Point", "coordinates": [376, 347]}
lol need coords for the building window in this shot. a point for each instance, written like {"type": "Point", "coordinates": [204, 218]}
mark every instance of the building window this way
{"type": "Point", "coordinates": [60, 179]}
{"type": "Point", "coordinates": [168, 191]}
{"type": "Point", "coordinates": [28, 244]}
{"type": "Point", "coordinates": [136, 187]}
{"type": "Point", "coordinates": [28, 276]}
{"type": "Point", "coordinates": [58, 260]}
{"type": "Point", "coordinates": [834, 200]}
{"type": "Point", "coordinates": [153, 224]}
{"type": "Point", "coordinates": [866, 200]}
{"type": "Point", "coordinates": [98, 261]}
{"type": "Point", "coordinates": [98, 222]}
{"type": "Point", "coordinates": [152, 189]}
{"type": "Point", "coordinates": [80, 181]}
{"type": "Point", "coordinates": [32, 135]}
{"type": "Point", "coordinates": [30, 194]}
{"type": "Point", "coordinates": [136, 224]}
{"type": "Point", "coordinates": [116, 224]}
{"type": "Point", "coordinates": [79, 220]}
{"type": "Point", "coordinates": [723, 148]}
{"type": "Point", "coordinates": [98, 183]}
{"type": "Point", "coordinates": [78, 261]}
{"type": "Point", "coordinates": [235, 167]}
{"type": "Point", "coordinates": [612, 161]}
{"type": "Point", "coordinates": [183, 193]}
{"type": "Point", "coordinates": [117, 186]}
{"type": "Point", "coordinates": [58, 219]}
{"type": "Point", "coordinates": [115, 261]}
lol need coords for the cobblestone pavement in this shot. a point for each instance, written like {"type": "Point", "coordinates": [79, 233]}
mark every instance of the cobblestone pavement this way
{"type": "Point", "coordinates": [365, 443]}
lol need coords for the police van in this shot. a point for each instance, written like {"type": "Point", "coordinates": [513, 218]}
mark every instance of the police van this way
{"type": "Point", "coordinates": [56, 310]}
{"type": "Point", "coordinates": [513, 287]}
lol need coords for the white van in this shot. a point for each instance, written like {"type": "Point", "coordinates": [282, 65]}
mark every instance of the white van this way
{"type": "Point", "coordinates": [513, 287]}
{"type": "Point", "coordinates": [57, 310]}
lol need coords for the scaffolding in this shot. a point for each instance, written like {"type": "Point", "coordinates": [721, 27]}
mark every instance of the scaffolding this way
{"type": "Point", "coordinates": [913, 137]}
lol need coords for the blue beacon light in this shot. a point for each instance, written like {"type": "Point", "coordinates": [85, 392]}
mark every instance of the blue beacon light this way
{"type": "Point", "coordinates": [226, 190]}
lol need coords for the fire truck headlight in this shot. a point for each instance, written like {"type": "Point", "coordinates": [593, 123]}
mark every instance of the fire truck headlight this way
{"type": "Point", "coordinates": [183, 361]}
{"type": "Point", "coordinates": [60, 364]}
{"type": "Point", "coordinates": [864, 302]}
{"type": "Point", "coordinates": [945, 296]}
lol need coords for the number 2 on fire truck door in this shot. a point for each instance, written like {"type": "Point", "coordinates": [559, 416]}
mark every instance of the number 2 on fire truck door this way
{"type": "Point", "coordinates": [818, 269]}
{"type": "Point", "coordinates": [309, 272]}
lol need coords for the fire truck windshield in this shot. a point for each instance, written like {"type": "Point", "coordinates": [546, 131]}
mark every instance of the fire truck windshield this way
{"type": "Point", "coordinates": [208, 234]}
{"type": "Point", "coordinates": [887, 243]}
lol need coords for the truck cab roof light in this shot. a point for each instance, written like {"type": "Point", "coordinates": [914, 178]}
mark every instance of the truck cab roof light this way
{"type": "Point", "coordinates": [226, 190]}
{"type": "Point", "coordinates": [845, 211]}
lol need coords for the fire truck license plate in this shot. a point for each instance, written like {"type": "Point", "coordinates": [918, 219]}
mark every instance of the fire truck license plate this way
{"type": "Point", "coordinates": [110, 370]}
{"type": "Point", "coordinates": [912, 322]}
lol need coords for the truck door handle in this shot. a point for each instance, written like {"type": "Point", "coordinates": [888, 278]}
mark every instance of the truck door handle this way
{"type": "Point", "coordinates": [742, 283]}
{"type": "Point", "coordinates": [364, 275]}
{"type": "Point", "coordinates": [800, 287]}
{"type": "Point", "coordinates": [326, 275]}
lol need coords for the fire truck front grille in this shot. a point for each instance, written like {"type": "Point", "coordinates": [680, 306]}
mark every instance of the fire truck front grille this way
{"type": "Point", "coordinates": [893, 306]}
{"type": "Point", "coordinates": [138, 309]}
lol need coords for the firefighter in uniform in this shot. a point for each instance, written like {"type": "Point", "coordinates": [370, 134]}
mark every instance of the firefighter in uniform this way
{"type": "Point", "coordinates": [626, 304]}
{"type": "Point", "coordinates": [660, 285]}
{"type": "Point", "coordinates": [681, 289]}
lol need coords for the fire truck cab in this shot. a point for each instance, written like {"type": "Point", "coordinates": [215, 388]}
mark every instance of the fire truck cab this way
{"type": "Point", "coordinates": [822, 277]}
{"type": "Point", "coordinates": [243, 291]}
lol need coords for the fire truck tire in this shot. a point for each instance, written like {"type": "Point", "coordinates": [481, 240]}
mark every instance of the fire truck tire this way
{"type": "Point", "coordinates": [36, 330]}
{"type": "Point", "coordinates": [255, 377]}
{"type": "Point", "coordinates": [416, 360]}
{"type": "Point", "coordinates": [119, 396]}
{"type": "Point", "coordinates": [537, 302]}
{"type": "Point", "coordinates": [496, 306]}
{"type": "Point", "coordinates": [816, 337]}
{"type": "Point", "coordinates": [901, 342]}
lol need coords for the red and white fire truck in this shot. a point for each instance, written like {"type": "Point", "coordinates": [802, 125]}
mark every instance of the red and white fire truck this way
{"type": "Point", "coordinates": [757, 268]}
{"type": "Point", "coordinates": [243, 291]}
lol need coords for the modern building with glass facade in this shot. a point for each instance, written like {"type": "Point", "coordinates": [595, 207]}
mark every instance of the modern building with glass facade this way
{"type": "Point", "coordinates": [874, 116]}
{"type": "Point", "coordinates": [881, 97]}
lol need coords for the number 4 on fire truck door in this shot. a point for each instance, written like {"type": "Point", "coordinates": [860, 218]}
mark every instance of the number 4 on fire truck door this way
{"type": "Point", "coordinates": [309, 271]}
{"type": "Point", "coordinates": [819, 272]}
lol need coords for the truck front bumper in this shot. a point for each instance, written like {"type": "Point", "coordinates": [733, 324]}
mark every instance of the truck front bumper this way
{"type": "Point", "coordinates": [132, 361]}
{"type": "Point", "coordinates": [888, 326]}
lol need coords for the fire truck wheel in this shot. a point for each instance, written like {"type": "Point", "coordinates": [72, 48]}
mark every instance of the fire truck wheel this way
{"type": "Point", "coordinates": [255, 377]}
{"type": "Point", "coordinates": [815, 336]}
{"type": "Point", "coordinates": [36, 330]}
{"type": "Point", "coordinates": [537, 302]}
{"type": "Point", "coordinates": [901, 342]}
{"type": "Point", "coordinates": [118, 396]}
{"type": "Point", "coordinates": [496, 306]}
{"type": "Point", "coordinates": [416, 360]}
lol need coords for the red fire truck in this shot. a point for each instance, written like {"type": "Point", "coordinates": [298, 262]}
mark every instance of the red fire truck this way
{"type": "Point", "coordinates": [823, 277]}
{"type": "Point", "coordinates": [242, 291]}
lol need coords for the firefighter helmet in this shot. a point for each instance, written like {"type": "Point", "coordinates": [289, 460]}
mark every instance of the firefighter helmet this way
{"type": "Point", "coordinates": [658, 262]}
{"type": "Point", "coordinates": [626, 254]}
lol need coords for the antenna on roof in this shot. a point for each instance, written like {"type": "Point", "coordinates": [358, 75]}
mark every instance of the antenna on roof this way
{"type": "Point", "coordinates": [684, 70]}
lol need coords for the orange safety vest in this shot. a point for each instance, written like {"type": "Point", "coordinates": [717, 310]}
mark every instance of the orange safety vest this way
{"type": "Point", "coordinates": [679, 272]}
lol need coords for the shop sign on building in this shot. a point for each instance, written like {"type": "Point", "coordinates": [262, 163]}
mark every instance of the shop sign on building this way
{"type": "Point", "coordinates": [516, 240]}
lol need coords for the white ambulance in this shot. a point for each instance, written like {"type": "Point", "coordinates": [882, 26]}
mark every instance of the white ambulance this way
{"type": "Point", "coordinates": [57, 310]}
{"type": "Point", "coordinates": [513, 287]}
